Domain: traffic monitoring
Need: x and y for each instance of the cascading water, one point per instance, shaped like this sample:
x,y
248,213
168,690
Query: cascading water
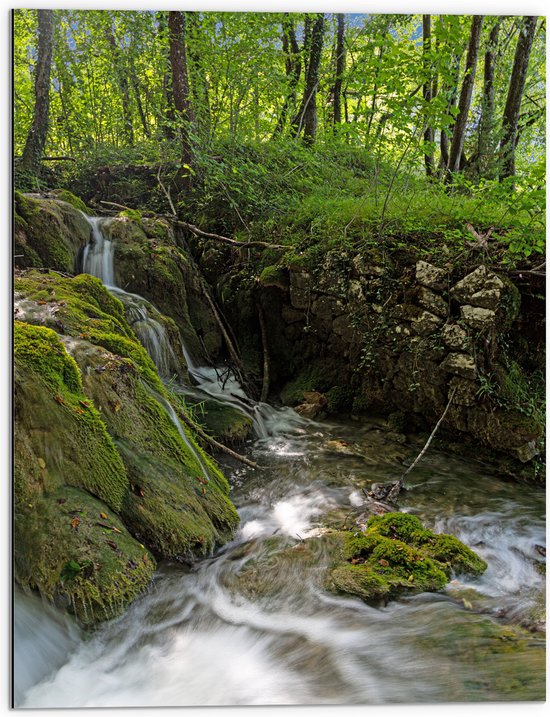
x,y
97,256
255,625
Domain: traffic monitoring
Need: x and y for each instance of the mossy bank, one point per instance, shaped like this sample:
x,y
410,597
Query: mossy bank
x,y
106,480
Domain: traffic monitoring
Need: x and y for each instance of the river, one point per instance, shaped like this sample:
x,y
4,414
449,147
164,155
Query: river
x,y
253,624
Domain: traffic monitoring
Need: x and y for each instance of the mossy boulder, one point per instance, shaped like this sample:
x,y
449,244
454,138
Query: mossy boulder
x,y
150,264
94,423
224,422
67,473
395,555
48,233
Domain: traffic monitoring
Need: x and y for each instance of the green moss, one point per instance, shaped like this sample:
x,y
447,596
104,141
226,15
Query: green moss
x,y
70,547
132,214
316,377
58,421
225,422
65,196
50,233
274,276
397,554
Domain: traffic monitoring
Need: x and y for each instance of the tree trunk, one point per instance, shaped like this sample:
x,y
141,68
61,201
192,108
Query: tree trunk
x,y
180,91
340,68
515,93
306,118
487,120
293,69
429,132
198,80
38,131
124,86
457,144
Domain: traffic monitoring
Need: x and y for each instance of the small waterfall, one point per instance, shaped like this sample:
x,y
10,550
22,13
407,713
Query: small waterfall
x,y
97,257
150,332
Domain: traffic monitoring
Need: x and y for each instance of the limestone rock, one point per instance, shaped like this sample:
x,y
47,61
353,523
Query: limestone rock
x,y
290,315
460,364
527,451
465,391
300,280
431,276
477,281
486,298
326,307
432,302
365,268
314,403
454,337
477,317
342,327
426,324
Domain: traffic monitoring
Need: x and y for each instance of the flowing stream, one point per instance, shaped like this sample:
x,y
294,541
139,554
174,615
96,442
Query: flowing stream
x,y
253,625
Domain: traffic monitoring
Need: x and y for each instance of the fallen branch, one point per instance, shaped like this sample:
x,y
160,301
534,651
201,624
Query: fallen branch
x,y
396,488
215,444
226,240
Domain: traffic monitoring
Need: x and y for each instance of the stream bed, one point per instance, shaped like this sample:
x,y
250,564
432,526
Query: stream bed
x,y
253,625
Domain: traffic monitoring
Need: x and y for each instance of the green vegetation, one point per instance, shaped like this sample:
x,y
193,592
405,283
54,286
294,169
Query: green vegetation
x,y
396,554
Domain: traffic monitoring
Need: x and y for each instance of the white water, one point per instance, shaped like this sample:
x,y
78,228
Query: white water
x,y
205,638
97,257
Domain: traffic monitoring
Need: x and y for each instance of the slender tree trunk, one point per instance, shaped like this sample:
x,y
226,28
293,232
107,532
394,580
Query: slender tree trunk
x,y
429,132
515,93
124,86
293,69
306,118
167,119
137,94
340,68
38,131
180,90
487,120
457,144
198,79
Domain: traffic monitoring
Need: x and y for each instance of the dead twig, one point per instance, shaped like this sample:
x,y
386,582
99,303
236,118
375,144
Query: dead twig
x,y
396,488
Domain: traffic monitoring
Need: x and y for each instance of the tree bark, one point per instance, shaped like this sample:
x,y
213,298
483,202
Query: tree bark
x,y
340,67
38,131
427,91
457,144
180,91
487,120
306,118
293,69
123,84
515,93
198,79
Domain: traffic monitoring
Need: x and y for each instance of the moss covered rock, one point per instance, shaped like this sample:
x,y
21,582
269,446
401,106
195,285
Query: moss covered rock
x,y
397,555
48,233
225,422
96,434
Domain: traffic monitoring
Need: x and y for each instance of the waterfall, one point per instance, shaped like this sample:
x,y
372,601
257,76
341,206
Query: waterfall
x,y
97,257
210,382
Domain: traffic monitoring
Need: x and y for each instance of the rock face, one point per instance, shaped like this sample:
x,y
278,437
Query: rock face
x,y
105,479
373,336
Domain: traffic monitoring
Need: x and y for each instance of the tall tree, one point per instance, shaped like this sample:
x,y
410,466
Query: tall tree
x,y
121,75
340,67
293,70
487,120
457,144
428,91
38,131
515,93
180,90
306,119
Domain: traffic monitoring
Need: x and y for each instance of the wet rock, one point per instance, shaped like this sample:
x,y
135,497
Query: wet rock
x,y
460,364
430,275
432,302
454,337
477,318
313,405
465,391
